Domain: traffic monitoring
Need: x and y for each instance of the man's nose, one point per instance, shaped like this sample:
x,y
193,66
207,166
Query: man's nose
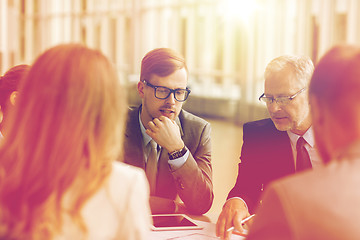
x,y
273,107
171,98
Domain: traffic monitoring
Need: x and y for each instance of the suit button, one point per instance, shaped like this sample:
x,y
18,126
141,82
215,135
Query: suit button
x,y
181,185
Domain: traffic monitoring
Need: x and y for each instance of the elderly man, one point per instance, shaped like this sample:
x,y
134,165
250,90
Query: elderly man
x,y
323,204
276,147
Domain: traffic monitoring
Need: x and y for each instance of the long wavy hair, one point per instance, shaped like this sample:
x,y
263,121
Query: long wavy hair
x,y
65,131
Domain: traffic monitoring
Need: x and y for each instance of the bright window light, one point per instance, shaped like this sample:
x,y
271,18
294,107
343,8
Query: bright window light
x,y
238,9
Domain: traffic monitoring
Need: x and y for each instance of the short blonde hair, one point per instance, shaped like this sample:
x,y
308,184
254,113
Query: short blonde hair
x,y
65,132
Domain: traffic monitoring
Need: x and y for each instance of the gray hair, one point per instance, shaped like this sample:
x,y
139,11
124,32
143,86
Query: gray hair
x,y
302,66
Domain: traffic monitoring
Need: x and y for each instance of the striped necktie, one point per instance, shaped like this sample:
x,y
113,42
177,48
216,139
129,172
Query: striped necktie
x,y
151,166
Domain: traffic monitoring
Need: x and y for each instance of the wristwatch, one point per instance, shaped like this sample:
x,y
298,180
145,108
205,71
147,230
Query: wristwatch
x,y
178,153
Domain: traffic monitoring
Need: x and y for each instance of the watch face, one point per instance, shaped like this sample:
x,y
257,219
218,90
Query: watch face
x,y
175,155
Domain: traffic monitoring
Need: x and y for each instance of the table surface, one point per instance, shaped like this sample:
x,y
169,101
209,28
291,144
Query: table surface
x,y
207,233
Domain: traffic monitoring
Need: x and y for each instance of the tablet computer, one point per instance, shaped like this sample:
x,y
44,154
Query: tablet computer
x,y
173,222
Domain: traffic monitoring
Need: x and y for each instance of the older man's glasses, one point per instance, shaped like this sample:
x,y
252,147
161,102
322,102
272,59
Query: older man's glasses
x,y
283,100
161,92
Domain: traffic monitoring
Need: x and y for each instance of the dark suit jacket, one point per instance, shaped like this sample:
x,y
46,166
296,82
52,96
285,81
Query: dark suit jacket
x,y
193,181
266,155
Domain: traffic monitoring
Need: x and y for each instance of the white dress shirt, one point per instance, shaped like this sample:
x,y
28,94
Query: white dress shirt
x,y
309,146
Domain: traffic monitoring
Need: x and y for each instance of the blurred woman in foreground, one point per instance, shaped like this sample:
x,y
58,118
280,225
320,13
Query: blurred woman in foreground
x,y
58,178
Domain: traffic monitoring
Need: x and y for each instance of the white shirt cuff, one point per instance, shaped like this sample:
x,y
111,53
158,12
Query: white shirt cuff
x,y
178,162
240,199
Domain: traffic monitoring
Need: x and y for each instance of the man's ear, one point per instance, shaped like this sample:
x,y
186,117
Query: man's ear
x,y
140,88
13,97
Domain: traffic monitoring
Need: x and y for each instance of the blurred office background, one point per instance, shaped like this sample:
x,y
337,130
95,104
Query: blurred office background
x,y
227,44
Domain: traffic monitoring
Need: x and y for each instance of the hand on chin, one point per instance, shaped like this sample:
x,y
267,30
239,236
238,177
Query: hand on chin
x,y
168,113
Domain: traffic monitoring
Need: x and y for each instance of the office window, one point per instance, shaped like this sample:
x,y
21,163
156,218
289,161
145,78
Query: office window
x,y
226,43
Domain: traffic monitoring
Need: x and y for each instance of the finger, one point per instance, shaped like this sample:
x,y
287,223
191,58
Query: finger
x,y
220,225
228,225
228,235
248,224
223,223
166,120
163,118
237,221
151,125
157,121
150,133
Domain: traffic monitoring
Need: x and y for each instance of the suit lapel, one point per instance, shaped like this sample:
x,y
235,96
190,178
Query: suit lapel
x,y
133,144
278,152
178,122
288,159
281,147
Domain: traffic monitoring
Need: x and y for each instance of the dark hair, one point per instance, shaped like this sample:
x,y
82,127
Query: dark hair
x,y
162,62
9,83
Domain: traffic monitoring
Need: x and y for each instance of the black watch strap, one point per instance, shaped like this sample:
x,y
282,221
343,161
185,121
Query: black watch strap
x,y
177,154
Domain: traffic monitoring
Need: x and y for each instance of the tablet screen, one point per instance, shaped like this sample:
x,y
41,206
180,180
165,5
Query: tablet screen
x,y
173,222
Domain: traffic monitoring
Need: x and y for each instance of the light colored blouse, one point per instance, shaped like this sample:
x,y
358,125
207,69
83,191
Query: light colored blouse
x,y
118,210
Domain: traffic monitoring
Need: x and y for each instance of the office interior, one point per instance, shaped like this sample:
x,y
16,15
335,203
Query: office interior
x,y
226,43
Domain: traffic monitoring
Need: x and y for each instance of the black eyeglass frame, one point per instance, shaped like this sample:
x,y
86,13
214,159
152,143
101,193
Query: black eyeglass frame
x,y
290,98
173,91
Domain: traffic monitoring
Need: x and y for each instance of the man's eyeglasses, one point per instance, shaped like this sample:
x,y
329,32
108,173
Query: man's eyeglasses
x,y
160,92
279,100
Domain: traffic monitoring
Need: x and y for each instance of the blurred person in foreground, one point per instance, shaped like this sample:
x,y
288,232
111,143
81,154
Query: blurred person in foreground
x,y
323,204
9,83
271,146
58,177
172,145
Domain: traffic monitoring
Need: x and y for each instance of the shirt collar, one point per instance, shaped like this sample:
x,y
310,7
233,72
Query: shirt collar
x,y
146,138
308,136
